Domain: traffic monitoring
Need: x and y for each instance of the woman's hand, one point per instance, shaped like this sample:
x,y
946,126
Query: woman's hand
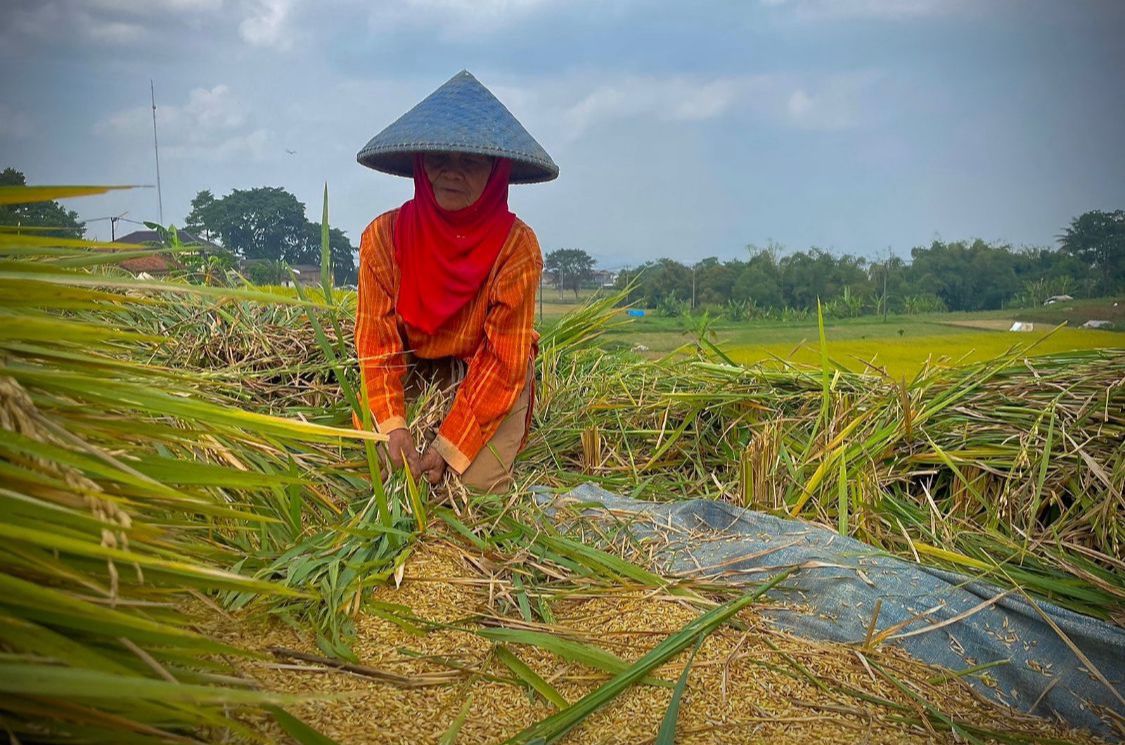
x,y
401,449
431,465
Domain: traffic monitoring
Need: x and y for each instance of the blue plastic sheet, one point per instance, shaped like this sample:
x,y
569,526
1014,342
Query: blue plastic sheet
x,y
942,618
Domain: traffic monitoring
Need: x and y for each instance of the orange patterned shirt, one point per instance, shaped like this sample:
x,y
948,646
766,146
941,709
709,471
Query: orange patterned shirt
x,y
493,334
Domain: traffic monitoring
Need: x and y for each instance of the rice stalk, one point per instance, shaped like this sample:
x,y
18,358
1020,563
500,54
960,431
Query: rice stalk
x,y
128,486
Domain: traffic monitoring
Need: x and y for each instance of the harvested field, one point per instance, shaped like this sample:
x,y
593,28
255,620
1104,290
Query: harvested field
x,y
746,683
170,446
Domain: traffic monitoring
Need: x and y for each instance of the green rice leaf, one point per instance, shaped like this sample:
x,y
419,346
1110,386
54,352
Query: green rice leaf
x,y
449,737
568,649
558,724
30,194
79,684
298,730
666,735
530,677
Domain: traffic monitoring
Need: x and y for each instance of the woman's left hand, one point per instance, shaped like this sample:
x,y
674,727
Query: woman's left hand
x,y
432,465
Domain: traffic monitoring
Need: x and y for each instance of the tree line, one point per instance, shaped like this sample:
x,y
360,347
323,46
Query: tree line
x,y
44,218
266,226
944,276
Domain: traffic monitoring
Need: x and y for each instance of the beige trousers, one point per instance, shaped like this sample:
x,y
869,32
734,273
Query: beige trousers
x,y
491,470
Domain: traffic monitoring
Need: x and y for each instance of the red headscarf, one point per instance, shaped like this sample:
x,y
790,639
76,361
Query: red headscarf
x,y
444,255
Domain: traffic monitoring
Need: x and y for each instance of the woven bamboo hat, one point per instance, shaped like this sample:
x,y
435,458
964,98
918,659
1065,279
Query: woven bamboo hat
x,y
460,116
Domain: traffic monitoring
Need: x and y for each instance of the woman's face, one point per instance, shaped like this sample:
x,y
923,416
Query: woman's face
x,y
458,178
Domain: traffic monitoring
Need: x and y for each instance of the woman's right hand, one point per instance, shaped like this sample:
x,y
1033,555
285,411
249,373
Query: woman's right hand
x,y
401,449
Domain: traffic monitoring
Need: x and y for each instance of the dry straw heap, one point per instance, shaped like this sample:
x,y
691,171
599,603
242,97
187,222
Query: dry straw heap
x,y
195,541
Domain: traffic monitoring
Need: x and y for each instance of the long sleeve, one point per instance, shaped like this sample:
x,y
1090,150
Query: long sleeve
x,y
378,344
497,371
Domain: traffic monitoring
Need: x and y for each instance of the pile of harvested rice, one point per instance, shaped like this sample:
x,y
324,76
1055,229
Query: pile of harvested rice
x,y
750,683
264,357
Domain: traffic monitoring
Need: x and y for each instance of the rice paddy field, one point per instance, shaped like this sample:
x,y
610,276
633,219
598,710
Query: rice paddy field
x,y
901,346
198,546
906,357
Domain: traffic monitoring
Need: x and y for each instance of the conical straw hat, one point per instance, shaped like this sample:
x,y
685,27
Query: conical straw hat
x,y
460,116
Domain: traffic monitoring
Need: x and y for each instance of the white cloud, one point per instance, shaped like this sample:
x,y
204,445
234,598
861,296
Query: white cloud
x,y
113,32
255,145
799,103
490,8
101,22
832,103
706,101
216,109
455,18
211,125
872,9
265,24
154,7
668,99
571,107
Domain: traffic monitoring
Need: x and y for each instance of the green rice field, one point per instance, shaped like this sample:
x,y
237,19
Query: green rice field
x,y
900,346
906,356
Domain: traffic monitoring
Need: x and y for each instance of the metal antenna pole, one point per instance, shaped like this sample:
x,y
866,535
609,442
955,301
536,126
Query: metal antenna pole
x,y
156,148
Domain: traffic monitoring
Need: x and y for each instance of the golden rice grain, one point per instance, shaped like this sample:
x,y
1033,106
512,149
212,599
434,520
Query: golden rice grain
x,y
742,686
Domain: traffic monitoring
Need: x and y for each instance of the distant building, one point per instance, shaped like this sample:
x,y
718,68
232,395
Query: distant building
x,y
158,263
308,275
604,278
266,271
597,278
163,263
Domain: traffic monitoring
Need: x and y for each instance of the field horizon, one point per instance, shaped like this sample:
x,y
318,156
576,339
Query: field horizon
x,y
899,345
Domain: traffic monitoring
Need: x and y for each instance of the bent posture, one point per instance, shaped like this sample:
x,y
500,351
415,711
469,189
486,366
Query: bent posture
x,y
447,285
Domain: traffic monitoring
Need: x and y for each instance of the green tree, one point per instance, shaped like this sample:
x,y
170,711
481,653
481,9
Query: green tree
x,y
38,214
714,280
266,272
344,271
262,223
1055,272
570,266
1098,239
269,223
661,280
758,282
205,212
958,276
817,274
966,276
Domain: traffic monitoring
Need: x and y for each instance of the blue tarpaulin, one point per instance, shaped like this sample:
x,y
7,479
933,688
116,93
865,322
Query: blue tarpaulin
x,y
939,617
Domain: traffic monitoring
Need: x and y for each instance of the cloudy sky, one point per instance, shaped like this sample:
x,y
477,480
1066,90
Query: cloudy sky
x,y
683,129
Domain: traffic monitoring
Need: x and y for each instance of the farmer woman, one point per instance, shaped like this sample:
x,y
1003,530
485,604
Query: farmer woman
x,y
447,285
